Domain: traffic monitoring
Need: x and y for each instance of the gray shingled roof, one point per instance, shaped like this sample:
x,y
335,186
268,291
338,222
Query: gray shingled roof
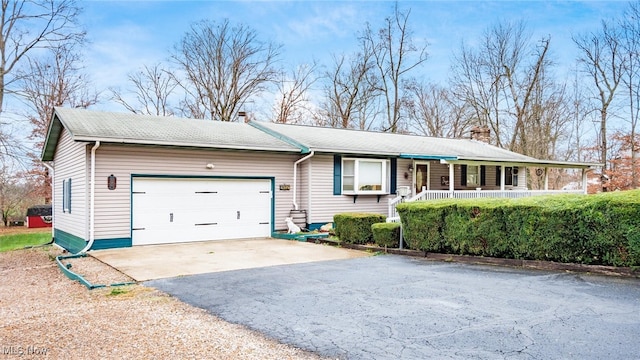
x,y
129,128
345,141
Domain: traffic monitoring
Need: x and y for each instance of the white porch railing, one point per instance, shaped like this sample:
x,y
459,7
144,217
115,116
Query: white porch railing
x,y
477,194
469,194
393,213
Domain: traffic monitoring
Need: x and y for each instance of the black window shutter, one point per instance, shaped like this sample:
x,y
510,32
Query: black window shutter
x,y
483,175
498,175
463,175
337,174
394,176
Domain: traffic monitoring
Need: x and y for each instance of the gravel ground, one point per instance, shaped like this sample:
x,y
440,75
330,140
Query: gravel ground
x,y
43,314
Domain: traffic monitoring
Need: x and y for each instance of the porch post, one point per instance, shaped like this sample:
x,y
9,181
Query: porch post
x,y
584,181
546,178
452,179
502,177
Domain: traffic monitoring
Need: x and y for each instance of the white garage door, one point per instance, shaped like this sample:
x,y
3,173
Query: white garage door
x,y
169,210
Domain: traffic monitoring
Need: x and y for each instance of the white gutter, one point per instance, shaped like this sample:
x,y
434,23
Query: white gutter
x,y
92,209
53,196
295,178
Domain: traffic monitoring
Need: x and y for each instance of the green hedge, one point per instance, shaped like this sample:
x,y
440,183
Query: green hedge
x,y
386,234
355,228
593,229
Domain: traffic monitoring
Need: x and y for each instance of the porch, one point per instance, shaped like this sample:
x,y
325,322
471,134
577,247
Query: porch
x,y
465,194
447,178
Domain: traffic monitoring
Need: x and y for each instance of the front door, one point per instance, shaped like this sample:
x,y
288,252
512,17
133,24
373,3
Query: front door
x,y
421,177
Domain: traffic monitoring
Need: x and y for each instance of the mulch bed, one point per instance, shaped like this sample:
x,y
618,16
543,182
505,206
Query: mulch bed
x,y
481,260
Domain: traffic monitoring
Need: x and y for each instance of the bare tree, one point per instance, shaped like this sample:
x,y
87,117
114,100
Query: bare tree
x,y
395,55
14,194
505,81
351,90
478,86
56,79
631,79
224,65
293,91
433,112
25,26
602,61
581,119
153,87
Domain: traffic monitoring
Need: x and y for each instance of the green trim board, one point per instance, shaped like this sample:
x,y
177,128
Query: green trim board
x,y
277,135
298,236
427,157
53,133
101,244
71,243
272,179
74,276
317,226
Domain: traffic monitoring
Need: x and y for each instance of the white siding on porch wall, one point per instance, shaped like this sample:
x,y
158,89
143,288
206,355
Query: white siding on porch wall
x,y
71,163
113,207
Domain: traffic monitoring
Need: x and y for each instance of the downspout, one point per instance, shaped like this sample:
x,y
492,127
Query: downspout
x,y
295,178
92,208
53,201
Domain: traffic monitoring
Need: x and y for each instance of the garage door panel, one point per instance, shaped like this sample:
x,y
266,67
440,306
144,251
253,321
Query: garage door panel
x,y
180,210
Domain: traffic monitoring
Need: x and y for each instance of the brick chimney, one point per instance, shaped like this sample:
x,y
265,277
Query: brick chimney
x,y
242,117
481,133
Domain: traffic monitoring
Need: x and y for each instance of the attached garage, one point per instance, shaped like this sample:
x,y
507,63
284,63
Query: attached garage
x,y
173,210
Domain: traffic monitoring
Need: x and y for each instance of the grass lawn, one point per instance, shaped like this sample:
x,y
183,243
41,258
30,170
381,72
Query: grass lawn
x,y
20,240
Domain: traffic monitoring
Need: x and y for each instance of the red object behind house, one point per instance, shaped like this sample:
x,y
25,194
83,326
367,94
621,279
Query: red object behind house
x,y
39,216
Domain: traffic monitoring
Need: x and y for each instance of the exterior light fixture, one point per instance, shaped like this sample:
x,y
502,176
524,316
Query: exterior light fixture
x,y
210,166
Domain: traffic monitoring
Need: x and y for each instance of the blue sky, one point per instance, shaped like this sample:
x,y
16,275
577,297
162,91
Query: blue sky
x,y
125,35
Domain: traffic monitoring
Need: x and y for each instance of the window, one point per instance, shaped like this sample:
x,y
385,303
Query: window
x,y
473,175
510,176
66,195
365,176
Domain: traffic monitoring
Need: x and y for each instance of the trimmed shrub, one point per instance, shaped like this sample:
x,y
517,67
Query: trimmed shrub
x,y
422,224
593,229
355,228
386,234
475,230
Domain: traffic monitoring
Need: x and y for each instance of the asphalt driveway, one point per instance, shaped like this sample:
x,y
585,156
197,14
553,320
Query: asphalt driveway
x,y
393,307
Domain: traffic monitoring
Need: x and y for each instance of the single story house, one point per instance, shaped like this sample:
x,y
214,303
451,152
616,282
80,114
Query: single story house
x,y
121,179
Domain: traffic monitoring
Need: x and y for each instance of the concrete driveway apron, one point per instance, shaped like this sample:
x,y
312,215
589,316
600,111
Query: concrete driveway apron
x,y
392,307
169,260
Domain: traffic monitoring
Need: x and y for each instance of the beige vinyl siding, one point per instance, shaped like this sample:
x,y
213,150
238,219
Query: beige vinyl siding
x,y
303,186
438,170
71,163
113,207
403,168
324,204
522,178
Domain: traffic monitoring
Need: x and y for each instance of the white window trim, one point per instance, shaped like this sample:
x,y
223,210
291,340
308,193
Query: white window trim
x,y
66,195
470,180
386,169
